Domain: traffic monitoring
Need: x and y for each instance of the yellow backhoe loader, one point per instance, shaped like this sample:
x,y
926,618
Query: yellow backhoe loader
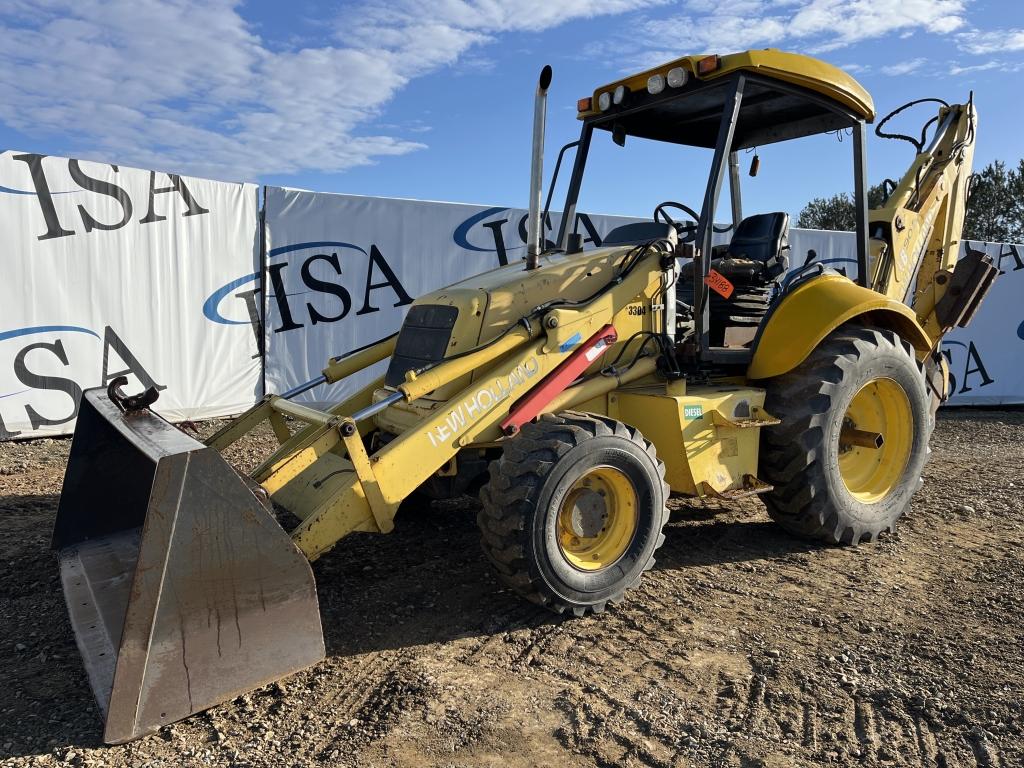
x,y
574,390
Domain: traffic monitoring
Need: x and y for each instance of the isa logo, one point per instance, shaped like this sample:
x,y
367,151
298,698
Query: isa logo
x,y
44,368
502,231
309,284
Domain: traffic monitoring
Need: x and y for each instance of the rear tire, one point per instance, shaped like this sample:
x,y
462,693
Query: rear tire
x,y
573,511
826,488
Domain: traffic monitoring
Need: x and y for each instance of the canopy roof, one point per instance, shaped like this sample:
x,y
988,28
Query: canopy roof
x,y
785,95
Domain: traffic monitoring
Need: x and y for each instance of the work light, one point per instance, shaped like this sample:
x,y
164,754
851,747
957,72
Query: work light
x,y
677,77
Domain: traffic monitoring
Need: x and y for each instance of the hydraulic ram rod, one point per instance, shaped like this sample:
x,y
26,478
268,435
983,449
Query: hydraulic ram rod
x,y
342,367
305,387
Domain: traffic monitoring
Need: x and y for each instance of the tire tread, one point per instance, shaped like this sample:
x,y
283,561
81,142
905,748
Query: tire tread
x,y
789,452
516,479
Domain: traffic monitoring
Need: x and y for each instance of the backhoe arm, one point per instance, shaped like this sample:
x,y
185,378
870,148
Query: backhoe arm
x,y
915,235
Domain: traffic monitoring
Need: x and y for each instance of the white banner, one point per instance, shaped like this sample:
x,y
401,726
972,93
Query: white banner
x,y
986,359
123,271
114,271
343,269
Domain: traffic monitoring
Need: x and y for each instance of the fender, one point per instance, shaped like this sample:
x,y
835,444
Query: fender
x,y
810,312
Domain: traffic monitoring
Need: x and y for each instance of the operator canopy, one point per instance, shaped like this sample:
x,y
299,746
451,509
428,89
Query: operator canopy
x,y
785,96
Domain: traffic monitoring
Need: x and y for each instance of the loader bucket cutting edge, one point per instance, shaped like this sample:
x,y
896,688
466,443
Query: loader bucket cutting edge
x,y
182,589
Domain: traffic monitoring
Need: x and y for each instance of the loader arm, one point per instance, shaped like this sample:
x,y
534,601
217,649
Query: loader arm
x,y
183,589
327,476
916,234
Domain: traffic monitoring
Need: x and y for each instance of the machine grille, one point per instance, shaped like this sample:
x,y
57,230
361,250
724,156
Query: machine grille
x,y
423,339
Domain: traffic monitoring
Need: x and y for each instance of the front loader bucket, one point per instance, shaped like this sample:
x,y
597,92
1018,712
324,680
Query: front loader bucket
x,y
182,589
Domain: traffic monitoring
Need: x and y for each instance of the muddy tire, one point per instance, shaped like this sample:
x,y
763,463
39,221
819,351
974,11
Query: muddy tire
x,y
573,511
858,383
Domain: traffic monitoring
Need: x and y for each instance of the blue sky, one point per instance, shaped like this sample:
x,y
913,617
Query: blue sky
x,y
433,99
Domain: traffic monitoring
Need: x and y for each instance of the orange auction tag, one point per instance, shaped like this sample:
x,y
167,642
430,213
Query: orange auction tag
x,y
719,283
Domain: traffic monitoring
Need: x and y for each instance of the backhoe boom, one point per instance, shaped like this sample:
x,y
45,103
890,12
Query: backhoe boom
x,y
916,234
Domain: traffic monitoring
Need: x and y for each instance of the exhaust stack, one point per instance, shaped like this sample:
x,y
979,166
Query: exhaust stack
x,y
533,231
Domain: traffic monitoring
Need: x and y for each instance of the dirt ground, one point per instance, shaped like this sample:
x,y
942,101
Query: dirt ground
x,y
744,647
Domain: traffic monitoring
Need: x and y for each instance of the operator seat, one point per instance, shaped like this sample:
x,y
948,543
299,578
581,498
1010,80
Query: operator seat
x,y
754,261
757,253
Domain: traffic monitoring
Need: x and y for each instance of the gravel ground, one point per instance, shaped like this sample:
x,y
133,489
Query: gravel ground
x,y
744,647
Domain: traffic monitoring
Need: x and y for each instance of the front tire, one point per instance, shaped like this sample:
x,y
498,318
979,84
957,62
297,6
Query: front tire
x,y
573,511
831,482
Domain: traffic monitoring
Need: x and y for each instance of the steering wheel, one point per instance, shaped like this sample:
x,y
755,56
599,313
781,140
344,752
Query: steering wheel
x,y
686,232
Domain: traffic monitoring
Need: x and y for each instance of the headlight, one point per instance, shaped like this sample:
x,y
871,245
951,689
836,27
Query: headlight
x,y
604,101
678,76
620,94
655,84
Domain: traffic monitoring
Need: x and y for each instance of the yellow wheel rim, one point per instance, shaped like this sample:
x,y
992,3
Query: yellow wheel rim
x,y
879,415
597,519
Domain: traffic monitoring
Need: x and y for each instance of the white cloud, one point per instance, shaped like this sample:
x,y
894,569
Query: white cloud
x,y
839,23
191,85
812,25
727,28
904,67
188,85
998,66
994,41
956,69
827,25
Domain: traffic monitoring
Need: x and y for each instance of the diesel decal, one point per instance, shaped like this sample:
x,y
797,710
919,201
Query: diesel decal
x,y
467,412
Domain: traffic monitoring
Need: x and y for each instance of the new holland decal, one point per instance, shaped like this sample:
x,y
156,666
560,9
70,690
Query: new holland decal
x,y
483,400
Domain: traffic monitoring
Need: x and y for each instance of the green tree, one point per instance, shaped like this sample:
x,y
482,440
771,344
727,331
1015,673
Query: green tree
x,y
836,212
995,208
